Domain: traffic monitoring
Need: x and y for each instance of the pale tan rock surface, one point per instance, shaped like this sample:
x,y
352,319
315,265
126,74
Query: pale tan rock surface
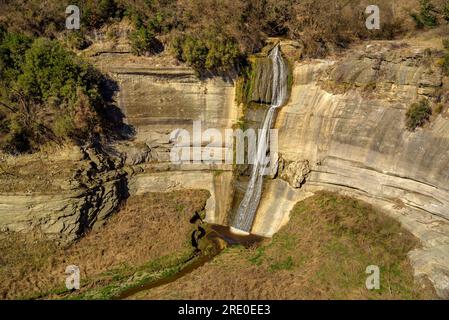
x,y
346,118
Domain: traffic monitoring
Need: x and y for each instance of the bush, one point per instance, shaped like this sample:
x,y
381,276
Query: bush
x,y
34,17
418,114
446,44
76,40
143,42
426,16
445,64
445,60
439,108
2,32
12,55
98,12
208,51
239,26
446,11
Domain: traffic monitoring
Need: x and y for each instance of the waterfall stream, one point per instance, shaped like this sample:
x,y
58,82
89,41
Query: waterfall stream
x,y
248,207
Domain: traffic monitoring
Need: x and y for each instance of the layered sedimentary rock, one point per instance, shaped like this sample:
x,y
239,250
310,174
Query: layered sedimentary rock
x,y
158,101
346,119
61,196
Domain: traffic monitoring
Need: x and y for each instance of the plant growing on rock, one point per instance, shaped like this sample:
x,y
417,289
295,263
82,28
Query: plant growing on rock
x,y
418,114
444,62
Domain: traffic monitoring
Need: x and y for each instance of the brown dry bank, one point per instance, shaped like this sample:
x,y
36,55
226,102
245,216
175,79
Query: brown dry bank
x,y
322,253
151,232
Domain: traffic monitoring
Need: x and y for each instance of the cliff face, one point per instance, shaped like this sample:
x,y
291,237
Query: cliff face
x,y
67,193
357,138
346,120
63,195
156,101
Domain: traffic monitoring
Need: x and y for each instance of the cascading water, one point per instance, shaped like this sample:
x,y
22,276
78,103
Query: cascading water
x,y
248,207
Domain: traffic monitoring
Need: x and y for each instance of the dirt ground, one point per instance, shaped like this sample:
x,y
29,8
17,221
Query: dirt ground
x,y
322,253
148,228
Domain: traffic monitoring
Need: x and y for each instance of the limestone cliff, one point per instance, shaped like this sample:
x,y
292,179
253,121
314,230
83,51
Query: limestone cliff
x,y
158,100
346,120
62,194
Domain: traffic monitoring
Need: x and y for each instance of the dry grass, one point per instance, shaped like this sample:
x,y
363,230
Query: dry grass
x,y
148,228
27,174
321,254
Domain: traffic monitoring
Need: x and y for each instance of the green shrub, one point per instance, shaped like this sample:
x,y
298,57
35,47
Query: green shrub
x,y
446,44
426,16
446,11
98,12
63,126
2,32
439,108
445,64
144,42
418,114
76,40
208,51
12,55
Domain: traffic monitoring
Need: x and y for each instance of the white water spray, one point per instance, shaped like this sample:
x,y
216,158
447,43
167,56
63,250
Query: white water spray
x,y
247,210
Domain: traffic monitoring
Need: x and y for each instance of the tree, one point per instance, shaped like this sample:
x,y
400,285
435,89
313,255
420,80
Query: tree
x,y
46,93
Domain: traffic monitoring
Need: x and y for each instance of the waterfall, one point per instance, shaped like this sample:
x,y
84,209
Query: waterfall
x,y
247,210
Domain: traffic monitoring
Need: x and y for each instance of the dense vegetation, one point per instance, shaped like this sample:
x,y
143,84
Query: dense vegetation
x,y
46,93
209,34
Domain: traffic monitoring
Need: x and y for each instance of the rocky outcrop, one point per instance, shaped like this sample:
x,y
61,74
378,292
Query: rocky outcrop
x,y
294,172
218,183
78,199
343,130
156,101
357,139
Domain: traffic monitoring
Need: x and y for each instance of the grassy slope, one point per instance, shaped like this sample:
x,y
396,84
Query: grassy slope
x,y
148,239
321,254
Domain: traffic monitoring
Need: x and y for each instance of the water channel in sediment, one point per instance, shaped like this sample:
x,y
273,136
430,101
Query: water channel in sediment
x,y
218,237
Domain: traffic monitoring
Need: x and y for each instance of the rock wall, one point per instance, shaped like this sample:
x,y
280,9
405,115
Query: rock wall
x,y
70,202
342,130
357,139
157,101
346,119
